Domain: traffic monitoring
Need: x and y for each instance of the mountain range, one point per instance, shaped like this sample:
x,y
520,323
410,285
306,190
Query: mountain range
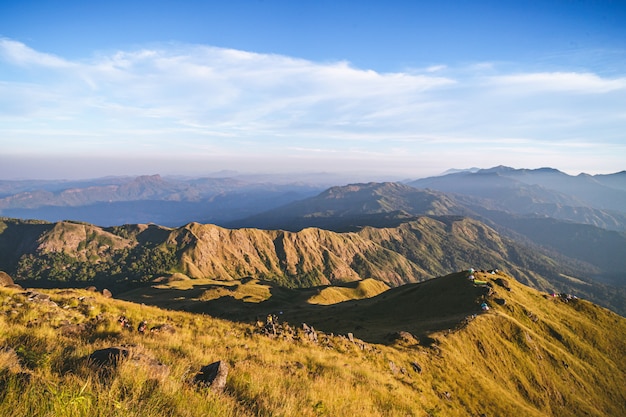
x,y
151,198
554,231
478,292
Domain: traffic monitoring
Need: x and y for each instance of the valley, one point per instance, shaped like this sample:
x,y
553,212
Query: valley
x,y
375,307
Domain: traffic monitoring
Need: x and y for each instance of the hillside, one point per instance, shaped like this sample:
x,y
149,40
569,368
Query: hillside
x,y
555,234
422,349
53,254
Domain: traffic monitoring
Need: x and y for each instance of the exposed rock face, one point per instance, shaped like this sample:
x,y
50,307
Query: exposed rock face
x,y
213,375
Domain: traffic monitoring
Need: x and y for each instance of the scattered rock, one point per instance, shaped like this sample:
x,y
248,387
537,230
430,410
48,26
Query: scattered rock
x,y
37,297
213,375
310,332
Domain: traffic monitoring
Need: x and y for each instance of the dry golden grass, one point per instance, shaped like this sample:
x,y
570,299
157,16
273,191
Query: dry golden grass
x,y
531,356
353,291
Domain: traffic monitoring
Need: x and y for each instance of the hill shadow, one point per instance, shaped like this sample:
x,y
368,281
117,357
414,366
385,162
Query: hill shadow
x,y
420,309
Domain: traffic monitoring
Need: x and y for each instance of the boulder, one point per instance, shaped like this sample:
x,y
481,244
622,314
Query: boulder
x,y
5,279
106,293
503,283
403,337
72,329
110,356
213,376
163,328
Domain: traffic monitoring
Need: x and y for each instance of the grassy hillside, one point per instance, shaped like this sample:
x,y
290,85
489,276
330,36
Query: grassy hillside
x,y
123,257
530,355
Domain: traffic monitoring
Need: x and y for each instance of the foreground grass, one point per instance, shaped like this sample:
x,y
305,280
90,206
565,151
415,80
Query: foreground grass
x,y
532,356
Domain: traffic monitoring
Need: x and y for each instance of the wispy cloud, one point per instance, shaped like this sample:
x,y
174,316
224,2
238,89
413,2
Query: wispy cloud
x,y
544,82
177,99
20,54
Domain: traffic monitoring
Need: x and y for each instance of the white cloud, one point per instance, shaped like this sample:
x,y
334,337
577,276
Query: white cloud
x,y
20,54
561,82
201,100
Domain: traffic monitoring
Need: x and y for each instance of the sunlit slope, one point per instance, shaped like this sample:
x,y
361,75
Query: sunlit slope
x,y
410,252
546,353
123,257
530,354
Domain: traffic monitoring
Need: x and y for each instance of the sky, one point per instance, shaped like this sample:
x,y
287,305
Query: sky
x,y
394,88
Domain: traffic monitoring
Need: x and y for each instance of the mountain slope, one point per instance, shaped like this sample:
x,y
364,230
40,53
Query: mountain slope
x,y
347,208
543,192
44,254
530,354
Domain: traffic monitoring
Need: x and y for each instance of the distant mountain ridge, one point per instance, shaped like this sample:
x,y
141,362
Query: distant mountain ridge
x,y
544,191
149,198
355,205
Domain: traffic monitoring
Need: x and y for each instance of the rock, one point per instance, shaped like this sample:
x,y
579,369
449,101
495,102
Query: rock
x,y
110,356
5,279
213,375
154,368
16,286
163,328
500,301
72,329
91,288
503,283
106,293
10,360
403,336
416,367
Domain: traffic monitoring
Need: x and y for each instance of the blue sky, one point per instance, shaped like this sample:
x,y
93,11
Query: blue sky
x,y
399,88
